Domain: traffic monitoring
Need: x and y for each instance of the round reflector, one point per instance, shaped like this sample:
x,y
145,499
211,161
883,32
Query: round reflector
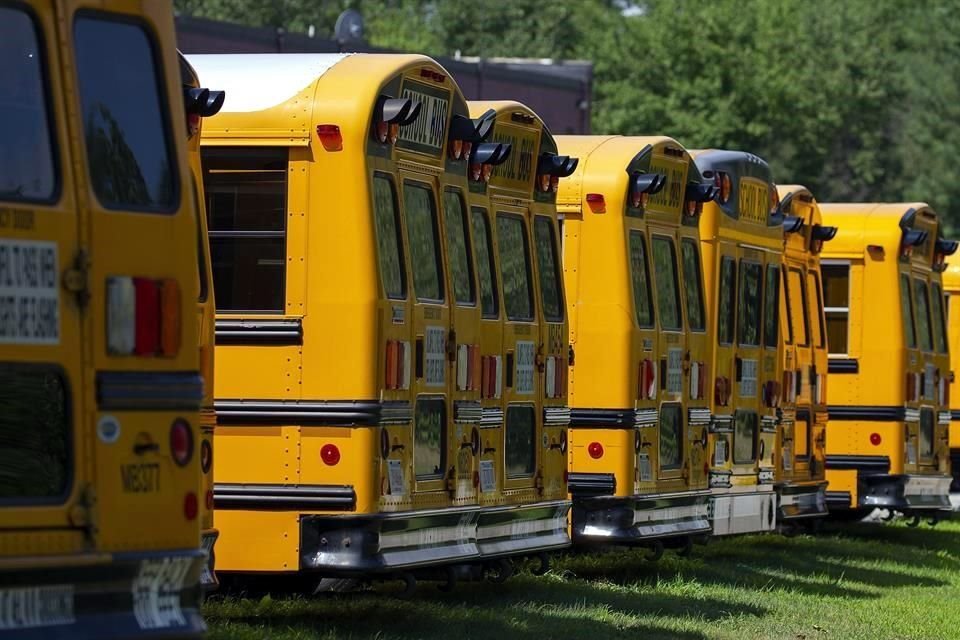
x,y
595,450
330,454
875,439
206,456
181,442
190,506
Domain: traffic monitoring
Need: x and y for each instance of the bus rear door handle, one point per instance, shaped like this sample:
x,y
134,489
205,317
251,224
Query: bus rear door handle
x,y
418,358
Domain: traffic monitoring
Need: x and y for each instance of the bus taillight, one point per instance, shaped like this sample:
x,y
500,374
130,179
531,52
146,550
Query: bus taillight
x,y
648,380
820,234
774,199
696,194
721,391
396,371
643,185
724,185
181,442
143,316
484,157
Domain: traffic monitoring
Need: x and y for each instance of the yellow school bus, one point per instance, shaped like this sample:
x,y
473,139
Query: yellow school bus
x,y
802,436
99,383
202,103
951,289
889,364
348,388
638,390
741,237
524,326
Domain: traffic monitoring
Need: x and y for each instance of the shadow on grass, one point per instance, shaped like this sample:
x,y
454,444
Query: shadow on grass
x,y
526,609
819,566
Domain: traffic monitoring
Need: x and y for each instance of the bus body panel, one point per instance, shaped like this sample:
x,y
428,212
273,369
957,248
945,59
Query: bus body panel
x,y
638,415
744,239
115,245
890,428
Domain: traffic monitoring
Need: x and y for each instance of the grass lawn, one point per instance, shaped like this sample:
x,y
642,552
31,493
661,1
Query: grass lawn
x,y
867,581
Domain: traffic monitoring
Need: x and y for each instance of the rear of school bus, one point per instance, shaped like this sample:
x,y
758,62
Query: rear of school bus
x,y
800,472
200,103
348,351
742,242
951,291
887,439
99,529
638,413
517,203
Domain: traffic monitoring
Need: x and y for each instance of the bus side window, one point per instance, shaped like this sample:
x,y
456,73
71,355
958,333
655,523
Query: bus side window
x,y
836,294
906,308
922,304
423,240
771,305
548,268
665,274
692,284
641,280
458,248
28,168
815,307
483,245
939,324
798,291
726,318
126,127
515,266
786,307
246,191
748,305
386,219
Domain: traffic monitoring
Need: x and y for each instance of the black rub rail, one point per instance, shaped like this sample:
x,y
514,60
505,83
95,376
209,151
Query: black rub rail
x,y
276,497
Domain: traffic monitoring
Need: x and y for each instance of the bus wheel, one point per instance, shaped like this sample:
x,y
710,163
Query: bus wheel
x,y
451,580
656,551
544,565
502,570
914,521
686,547
933,522
409,586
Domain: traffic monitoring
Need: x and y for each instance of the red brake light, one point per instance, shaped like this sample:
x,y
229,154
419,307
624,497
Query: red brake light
x,y
475,171
554,183
190,506
456,149
487,171
181,442
595,449
330,454
543,182
875,439
147,314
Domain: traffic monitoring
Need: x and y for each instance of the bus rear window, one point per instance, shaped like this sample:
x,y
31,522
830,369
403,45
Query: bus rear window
x,y
939,326
246,192
28,171
671,437
798,307
483,245
514,267
692,284
423,240
386,220
815,307
458,247
641,281
122,107
922,298
548,267
429,441
745,437
771,305
665,274
728,292
35,438
906,309
521,452
748,306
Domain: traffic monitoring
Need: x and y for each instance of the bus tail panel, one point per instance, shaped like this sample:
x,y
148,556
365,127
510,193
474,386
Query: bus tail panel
x,y
102,596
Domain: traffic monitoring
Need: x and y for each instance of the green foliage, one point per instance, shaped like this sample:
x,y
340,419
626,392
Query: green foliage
x,y
857,100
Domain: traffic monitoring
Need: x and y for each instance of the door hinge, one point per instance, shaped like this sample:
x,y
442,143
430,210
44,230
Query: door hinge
x,y
76,278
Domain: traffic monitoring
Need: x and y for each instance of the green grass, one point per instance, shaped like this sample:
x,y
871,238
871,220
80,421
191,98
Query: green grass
x,y
865,582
